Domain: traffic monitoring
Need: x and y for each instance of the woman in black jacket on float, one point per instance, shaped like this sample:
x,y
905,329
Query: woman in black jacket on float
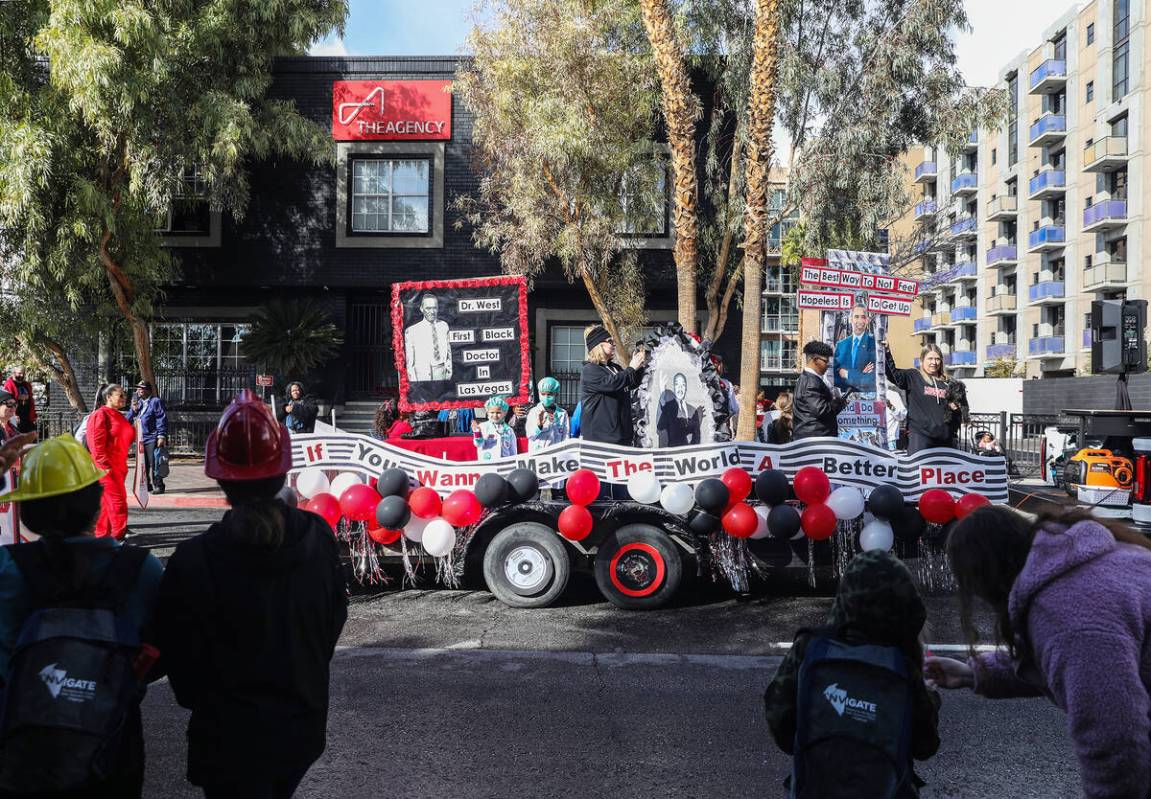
x,y
930,422
605,390
248,619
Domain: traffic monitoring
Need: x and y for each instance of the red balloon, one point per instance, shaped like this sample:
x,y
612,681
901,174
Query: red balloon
x,y
425,503
384,536
818,521
461,508
583,487
741,521
575,522
937,506
968,503
358,502
811,485
738,483
328,507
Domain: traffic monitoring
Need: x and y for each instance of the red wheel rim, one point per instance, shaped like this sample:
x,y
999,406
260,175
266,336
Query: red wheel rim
x,y
636,562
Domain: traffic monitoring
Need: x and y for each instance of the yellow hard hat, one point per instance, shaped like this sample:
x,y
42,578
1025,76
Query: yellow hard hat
x,y
57,466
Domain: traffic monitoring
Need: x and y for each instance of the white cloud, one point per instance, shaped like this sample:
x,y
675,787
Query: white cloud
x,y
1001,31
330,46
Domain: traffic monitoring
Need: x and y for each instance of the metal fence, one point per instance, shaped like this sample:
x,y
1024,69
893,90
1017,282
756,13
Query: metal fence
x,y
1019,434
187,432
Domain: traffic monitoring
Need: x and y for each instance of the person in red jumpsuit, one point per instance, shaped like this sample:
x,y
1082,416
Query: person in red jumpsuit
x,y
109,438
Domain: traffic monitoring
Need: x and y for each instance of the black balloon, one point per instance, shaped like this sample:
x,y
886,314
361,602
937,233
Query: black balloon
x,y
712,495
771,487
886,502
287,495
908,525
523,485
783,521
393,483
491,490
393,513
704,523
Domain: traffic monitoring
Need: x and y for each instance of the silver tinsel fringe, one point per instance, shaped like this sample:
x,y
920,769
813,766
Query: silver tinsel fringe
x,y
932,569
843,543
810,562
731,561
365,555
450,569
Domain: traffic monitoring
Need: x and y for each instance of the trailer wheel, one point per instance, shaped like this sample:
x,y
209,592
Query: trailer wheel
x,y
638,567
526,566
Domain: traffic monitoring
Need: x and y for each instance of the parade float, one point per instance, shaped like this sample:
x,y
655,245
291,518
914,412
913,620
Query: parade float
x,y
685,500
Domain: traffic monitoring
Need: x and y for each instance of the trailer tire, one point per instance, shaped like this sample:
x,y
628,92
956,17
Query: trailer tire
x,y
526,565
638,567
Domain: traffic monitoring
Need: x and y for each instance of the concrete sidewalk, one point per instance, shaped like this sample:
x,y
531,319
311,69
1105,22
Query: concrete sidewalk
x,y
187,487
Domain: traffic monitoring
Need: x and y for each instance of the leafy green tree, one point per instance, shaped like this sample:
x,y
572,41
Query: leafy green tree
x,y
564,96
292,337
108,108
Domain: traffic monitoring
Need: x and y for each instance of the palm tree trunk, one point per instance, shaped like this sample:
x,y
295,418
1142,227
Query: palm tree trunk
x,y
761,115
680,111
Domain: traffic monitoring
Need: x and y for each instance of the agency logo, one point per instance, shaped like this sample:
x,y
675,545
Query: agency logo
x,y
850,706
60,684
347,112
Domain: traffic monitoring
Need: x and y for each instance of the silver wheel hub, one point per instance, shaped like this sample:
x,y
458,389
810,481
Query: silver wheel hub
x,y
526,568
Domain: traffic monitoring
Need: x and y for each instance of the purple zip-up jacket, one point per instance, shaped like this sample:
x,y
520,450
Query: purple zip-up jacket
x,y
1084,602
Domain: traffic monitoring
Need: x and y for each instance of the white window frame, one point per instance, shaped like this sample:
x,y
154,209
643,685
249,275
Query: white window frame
x,y
347,152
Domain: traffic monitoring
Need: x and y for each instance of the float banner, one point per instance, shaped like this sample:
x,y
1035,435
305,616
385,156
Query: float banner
x,y
824,300
459,342
844,462
893,306
861,281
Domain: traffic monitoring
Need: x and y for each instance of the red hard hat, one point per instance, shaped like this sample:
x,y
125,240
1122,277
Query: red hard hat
x,y
248,443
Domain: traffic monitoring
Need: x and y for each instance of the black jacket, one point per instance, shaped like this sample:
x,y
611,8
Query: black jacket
x,y
247,634
605,392
304,413
927,412
815,408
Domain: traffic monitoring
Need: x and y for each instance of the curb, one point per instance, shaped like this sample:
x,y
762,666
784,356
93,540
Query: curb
x,y
165,501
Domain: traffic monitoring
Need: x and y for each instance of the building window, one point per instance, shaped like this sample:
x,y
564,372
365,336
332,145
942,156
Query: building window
x,y
1090,33
780,280
1120,64
1060,46
1013,119
994,156
390,195
645,206
1090,91
780,315
778,354
197,363
567,349
1119,127
189,213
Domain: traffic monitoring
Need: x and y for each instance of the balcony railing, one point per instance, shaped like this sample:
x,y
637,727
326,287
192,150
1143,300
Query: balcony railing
x,y
1004,207
1048,75
780,323
925,209
1048,290
922,325
1046,345
965,270
1105,274
997,351
962,358
1105,214
964,313
941,319
1001,302
928,170
1105,155
1048,127
1087,339
1003,254
1049,181
1047,237
964,226
965,182
971,143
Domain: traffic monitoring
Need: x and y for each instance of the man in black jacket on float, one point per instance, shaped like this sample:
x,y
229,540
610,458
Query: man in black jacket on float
x,y
815,407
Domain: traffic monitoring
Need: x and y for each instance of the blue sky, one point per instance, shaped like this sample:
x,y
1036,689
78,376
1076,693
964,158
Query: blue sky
x,y
439,27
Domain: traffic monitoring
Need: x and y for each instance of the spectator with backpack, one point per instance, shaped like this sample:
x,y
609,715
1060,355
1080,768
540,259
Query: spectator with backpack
x,y
74,613
849,701
249,616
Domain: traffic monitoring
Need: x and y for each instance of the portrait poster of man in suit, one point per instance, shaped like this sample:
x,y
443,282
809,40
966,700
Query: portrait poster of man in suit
x,y
678,423
427,348
854,363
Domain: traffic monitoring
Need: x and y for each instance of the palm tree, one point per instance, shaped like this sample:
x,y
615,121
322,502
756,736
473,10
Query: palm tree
x,y
292,337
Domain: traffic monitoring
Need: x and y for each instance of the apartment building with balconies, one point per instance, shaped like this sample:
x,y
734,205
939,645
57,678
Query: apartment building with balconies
x,y
1033,220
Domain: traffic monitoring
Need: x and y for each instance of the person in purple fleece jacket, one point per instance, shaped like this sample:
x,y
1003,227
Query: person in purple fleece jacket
x,y
1072,599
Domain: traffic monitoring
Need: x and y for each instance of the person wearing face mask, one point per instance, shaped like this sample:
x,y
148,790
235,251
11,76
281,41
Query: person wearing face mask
x,y
928,416
494,439
547,422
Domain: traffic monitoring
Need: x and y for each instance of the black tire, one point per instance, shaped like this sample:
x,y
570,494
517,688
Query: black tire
x,y
527,566
638,567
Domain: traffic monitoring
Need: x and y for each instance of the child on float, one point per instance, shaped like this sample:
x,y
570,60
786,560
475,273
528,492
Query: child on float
x,y
849,701
494,438
547,422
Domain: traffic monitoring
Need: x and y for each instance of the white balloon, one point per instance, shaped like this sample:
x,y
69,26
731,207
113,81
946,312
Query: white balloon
x,y
877,535
439,538
414,529
677,498
761,531
312,481
644,487
846,502
343,481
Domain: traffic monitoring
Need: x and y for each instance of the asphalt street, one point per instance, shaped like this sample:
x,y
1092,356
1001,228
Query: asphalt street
x,y
450,694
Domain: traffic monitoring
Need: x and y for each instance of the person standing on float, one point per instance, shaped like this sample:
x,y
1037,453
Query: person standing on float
x,y
605,390
109,438
547,423
494,438
929,414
